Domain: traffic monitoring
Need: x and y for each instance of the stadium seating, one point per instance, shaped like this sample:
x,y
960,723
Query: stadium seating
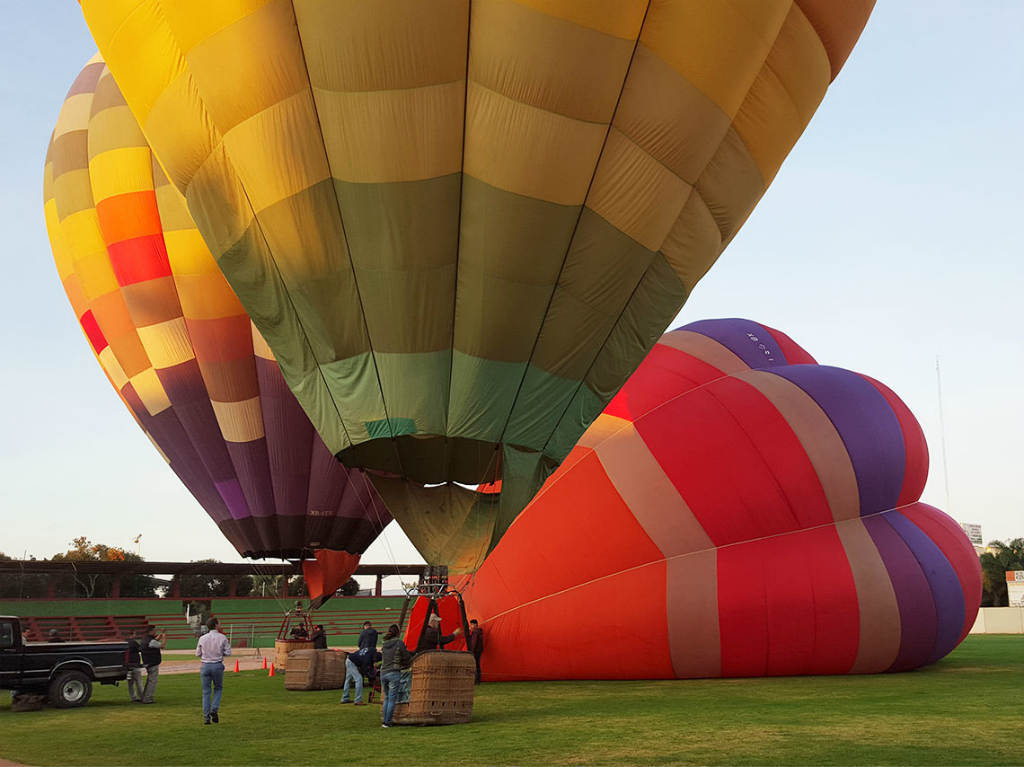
x,y
87,628
251,628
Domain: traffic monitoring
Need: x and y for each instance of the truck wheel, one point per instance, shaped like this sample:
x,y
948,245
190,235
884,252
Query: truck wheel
x,y
70,689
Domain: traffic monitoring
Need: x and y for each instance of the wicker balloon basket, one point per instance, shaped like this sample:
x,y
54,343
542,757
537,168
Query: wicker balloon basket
x,y
441,691
284,647
315,670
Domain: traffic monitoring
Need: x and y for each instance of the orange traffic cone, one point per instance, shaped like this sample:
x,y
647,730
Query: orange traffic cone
x,y
236,665
264,662
271,670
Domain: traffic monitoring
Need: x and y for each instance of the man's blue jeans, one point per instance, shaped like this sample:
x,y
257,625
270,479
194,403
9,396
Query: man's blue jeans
x,y
212,676
352,674
390,682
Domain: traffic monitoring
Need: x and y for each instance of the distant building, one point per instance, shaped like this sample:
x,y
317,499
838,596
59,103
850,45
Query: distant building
x,y
973,533
1015,587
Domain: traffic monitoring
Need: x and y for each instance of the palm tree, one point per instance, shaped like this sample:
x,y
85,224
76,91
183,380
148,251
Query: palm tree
x,y
995,564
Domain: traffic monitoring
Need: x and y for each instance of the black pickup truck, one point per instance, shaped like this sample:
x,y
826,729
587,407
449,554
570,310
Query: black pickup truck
x,y
65,671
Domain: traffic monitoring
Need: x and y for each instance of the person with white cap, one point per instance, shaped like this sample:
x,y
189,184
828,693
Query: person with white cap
x,y
431,638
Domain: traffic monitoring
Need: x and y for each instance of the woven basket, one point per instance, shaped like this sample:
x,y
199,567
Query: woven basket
x,y
442,689
301,671
330,672
284,647
315,670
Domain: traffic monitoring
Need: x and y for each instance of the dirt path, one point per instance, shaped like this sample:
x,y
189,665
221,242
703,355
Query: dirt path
x,y
185,662
191,666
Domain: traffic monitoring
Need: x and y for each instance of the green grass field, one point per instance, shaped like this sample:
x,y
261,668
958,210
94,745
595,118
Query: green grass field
x,y
963,710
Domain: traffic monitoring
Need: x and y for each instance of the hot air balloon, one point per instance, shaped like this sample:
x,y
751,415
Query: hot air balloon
x,y
460,225
735,511
181,351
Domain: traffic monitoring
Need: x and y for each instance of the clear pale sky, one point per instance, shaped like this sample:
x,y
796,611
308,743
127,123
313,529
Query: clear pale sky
x,y
891,236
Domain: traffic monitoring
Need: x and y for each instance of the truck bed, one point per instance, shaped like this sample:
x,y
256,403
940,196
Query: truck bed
x,y
40,659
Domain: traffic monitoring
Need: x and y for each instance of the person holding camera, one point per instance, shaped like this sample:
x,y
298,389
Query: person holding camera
x,y
152,644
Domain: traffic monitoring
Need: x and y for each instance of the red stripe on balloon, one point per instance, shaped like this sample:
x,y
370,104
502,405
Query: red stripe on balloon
x,y
140,259
789,599
741,468
795,354
668,373
787,605
93,332
742,609
836,608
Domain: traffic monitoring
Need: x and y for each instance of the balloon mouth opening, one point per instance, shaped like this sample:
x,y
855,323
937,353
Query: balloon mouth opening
x,y
429,460
456,484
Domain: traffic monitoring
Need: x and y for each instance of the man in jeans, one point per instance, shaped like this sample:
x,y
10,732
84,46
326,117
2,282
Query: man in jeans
x,y
212,648
395,657
353,675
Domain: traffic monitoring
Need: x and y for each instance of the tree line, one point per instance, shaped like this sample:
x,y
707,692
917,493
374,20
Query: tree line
x,y
1002,557
79,585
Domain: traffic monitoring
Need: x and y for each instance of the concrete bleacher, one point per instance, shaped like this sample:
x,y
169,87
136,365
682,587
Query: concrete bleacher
x,y
249,622
83,628
259,628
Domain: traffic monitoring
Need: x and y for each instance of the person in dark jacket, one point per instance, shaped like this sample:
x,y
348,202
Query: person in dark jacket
x,y
152,643
475,644
319,637
395,656
54,636
431,638
368,637
360,665
133,660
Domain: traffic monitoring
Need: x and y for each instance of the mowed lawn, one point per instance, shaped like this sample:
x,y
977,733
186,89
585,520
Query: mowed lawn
x,y
963,710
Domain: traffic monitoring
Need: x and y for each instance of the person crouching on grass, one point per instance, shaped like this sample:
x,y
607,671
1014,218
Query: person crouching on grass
x,y
212,648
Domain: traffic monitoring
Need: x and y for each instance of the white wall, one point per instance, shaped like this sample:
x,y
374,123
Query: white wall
x,y
999,620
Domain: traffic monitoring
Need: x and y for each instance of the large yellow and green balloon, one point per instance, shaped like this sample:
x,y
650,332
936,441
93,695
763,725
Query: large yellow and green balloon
x,y
461,224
